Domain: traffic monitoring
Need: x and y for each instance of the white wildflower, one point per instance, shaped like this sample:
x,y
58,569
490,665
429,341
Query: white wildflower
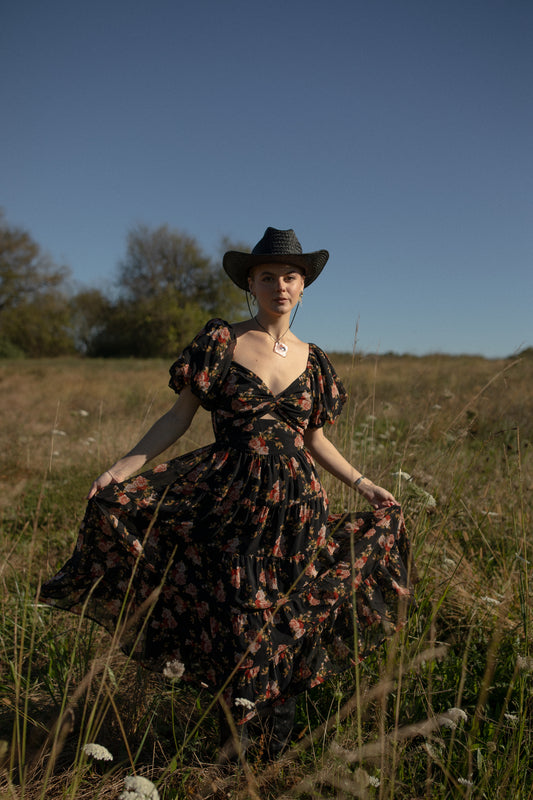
x,y
404,476
97,751
247,704
174,670
138,788
464,782
451,717
524,663
449,562
457,714
81,412
373,781
57,432
512,718
490,601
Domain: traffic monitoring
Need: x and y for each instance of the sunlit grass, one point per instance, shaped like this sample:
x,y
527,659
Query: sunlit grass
x,y
460,428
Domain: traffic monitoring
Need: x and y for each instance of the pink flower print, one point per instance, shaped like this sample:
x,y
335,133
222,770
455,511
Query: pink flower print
x,y
293,467
161,468
167,619
219,592
342,573
236,577
272,690
191,589
202,380
332,547
202,609
298,441
258,445
274,493
272,581
311,571
297,627
205,642
192,553
251,672
321,538
277,551
239,623
262,517
334,390
140,482
315,484
220,335
123,499
304,401
255,642
180,573
312,599
305,514
317,680
261,601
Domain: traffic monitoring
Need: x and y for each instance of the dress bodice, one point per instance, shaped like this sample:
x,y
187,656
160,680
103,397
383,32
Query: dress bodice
x,y
239,399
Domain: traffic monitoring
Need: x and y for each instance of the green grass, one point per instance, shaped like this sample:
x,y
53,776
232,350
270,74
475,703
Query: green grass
x,y
460,427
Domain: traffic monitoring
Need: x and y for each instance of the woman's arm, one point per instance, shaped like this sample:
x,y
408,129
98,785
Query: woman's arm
x,y
167,430
327,455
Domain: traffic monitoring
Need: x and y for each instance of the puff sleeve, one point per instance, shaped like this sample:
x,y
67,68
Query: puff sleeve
x,y
329,395
204,363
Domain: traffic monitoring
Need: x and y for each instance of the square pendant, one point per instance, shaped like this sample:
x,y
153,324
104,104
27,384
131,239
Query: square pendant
x,y
281,349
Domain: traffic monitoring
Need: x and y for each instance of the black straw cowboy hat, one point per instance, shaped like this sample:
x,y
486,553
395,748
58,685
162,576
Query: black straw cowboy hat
x,y
276,247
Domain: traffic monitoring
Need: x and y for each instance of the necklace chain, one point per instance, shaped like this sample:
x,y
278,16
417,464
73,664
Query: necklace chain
x,y
280,348
274,339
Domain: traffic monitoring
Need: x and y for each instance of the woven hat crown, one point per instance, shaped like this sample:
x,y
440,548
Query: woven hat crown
x,y
281,243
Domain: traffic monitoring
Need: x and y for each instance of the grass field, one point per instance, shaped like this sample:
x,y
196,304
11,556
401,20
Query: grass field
x,y
443,711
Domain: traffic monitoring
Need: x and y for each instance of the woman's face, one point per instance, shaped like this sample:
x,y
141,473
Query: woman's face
x,y
277,287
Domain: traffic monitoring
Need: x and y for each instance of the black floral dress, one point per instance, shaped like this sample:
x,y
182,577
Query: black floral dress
x,y
225,562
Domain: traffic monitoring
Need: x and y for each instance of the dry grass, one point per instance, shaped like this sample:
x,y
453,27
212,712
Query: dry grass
x,y
460,427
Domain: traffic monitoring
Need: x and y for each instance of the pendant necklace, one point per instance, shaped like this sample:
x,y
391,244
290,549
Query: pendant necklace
x,y
280,348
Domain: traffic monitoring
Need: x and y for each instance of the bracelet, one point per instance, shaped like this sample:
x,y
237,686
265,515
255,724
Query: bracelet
x,y
358,481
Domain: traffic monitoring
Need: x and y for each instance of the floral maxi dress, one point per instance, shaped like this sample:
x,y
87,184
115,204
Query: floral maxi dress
x,y
225,560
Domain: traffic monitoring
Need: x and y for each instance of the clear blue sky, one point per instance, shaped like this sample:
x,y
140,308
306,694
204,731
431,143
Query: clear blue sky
x,y
397,134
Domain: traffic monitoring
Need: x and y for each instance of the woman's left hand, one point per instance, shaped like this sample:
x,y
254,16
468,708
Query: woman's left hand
x,y
376,495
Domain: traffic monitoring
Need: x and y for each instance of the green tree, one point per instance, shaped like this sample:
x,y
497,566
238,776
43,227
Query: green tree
x,y
167,288
34,309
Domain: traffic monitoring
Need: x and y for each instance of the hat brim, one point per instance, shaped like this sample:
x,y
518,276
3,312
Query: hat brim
x,y
237,265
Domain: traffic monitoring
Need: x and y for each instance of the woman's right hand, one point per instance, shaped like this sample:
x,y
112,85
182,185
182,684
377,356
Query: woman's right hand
x,y
103,480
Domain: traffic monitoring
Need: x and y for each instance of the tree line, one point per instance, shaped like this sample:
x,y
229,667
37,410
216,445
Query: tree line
x,y
164,289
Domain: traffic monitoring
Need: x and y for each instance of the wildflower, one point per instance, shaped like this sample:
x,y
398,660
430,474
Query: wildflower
x,y
524,663
451,717
512,718
402,475
490,601
464,782
97,751
373,781
247,704
174,670
138,788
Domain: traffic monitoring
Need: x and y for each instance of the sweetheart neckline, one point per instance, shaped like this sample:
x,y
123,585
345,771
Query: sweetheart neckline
x,y
260,380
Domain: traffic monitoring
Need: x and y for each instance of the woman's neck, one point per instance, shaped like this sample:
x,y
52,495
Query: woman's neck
x,y
276,326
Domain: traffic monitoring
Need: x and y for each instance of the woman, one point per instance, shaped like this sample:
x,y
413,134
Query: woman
x,y
223,564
